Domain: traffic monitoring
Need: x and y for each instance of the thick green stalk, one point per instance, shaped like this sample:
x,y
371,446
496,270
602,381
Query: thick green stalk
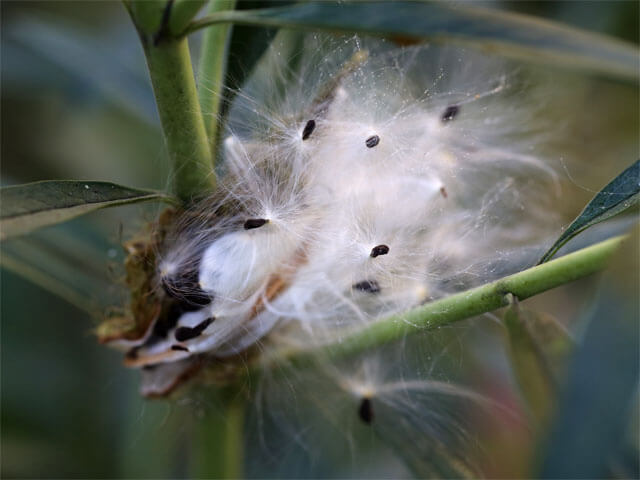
x,y
476,301
218,450
174,87
212,69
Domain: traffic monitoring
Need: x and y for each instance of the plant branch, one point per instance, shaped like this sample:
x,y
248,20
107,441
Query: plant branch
x,y
463,305
175,91
174,87
219,449
211,71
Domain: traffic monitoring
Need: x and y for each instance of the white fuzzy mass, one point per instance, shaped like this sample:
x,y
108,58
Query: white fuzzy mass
x,y
359,179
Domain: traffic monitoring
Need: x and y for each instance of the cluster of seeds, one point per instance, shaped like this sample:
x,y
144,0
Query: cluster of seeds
x,y
359,184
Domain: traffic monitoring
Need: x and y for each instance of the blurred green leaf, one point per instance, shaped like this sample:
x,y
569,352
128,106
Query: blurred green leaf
x,y
33,205
508,34
51,260
596,406
531,364
620,194
214,51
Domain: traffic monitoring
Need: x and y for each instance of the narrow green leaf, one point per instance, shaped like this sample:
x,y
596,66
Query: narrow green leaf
x,y
530,359
620,194
597,403
51,259
508,34
211,72
33,205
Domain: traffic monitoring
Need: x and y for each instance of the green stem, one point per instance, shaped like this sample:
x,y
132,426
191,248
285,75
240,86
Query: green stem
x,y
212,69
476,301
233,445
174,87
218,451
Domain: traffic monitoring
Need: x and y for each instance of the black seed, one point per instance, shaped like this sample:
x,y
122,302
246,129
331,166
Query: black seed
x,y
365,412
369,286
179,348
372,141
379,250
450,113
183,334
255,223
165,324
443,191
308,129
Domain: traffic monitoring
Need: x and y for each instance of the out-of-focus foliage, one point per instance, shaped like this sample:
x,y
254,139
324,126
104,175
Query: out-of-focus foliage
x,y
520,37
594,426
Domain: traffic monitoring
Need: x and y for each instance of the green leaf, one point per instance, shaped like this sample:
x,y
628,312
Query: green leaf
x,y
596,406
620,194
508,34
535,341
69,260
34,205
214,51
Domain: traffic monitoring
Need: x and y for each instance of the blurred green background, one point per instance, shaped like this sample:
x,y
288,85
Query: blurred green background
x,y
76,103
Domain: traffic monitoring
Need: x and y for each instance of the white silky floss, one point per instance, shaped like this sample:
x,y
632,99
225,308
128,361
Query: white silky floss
x,y
359,179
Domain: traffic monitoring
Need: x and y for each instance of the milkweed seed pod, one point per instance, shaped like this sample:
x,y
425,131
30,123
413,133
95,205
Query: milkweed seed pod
x,y
358,179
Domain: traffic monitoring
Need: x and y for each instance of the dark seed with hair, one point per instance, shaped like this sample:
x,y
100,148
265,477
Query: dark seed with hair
x,y
369,286
179,348
443,191
308,129
450,113
372,141
365,412
379,250
183,334
254,223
